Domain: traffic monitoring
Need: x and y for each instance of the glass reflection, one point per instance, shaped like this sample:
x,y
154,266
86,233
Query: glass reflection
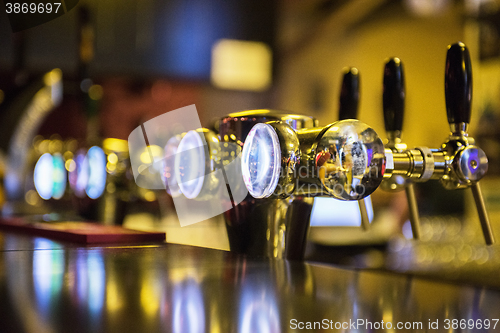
x,y
48,274
91,280
258,310
189,311
347,213
114,299
151,291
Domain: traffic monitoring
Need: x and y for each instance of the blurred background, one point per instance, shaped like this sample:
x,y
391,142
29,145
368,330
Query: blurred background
x,y
121,63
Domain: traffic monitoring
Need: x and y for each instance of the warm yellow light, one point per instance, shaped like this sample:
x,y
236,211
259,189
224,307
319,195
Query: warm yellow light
x,y
118,145
32,198
150,297
215,318
55,146
112,158
52,77
111,167
70,165
111,188
67,155
150,196
95,92
241,65
114,299
151,153
43,146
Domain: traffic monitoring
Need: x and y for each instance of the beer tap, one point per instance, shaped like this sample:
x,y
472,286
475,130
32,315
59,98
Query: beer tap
x,y
459,163
347,160
469,161
348,109
393,107
349,94
344,160
207,167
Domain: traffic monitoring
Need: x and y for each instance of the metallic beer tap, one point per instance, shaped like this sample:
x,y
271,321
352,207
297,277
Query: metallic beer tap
x,y
473,162
348,161
394,106
344,160
273,228
348,109
459,163
197,157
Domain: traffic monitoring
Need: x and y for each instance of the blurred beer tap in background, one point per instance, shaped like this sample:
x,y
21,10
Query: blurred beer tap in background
x,y
23,110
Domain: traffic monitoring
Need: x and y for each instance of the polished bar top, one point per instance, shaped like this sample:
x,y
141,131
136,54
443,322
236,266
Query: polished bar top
x,y
47,286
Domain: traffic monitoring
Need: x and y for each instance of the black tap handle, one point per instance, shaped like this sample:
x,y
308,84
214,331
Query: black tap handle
x,y
394,95
349,95
458,84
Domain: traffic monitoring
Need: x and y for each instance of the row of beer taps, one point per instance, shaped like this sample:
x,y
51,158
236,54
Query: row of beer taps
x,y
286,160
458,163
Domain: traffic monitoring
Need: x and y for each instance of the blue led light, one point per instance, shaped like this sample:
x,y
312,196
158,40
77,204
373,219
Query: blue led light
x,y
261,161
96,160
59,177
42,176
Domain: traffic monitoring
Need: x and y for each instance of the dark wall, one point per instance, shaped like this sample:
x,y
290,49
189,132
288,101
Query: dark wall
x,y
147,37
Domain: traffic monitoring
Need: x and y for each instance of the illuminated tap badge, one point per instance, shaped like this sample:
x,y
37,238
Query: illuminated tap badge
x,y
26,14
173,152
